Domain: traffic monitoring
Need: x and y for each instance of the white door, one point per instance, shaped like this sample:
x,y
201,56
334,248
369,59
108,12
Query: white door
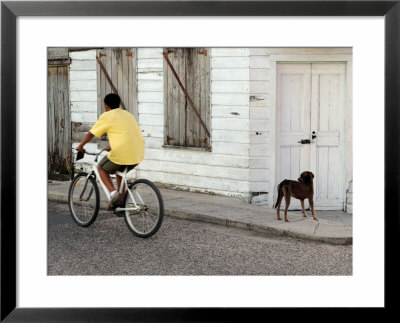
x,y
310,100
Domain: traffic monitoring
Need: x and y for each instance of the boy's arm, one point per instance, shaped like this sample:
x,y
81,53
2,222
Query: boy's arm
x,y
84,141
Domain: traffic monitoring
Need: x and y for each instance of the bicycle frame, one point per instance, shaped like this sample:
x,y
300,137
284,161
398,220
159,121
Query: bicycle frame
x,y
124,184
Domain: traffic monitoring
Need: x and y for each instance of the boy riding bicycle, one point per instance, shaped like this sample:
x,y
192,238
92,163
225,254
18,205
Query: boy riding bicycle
x,y
126,143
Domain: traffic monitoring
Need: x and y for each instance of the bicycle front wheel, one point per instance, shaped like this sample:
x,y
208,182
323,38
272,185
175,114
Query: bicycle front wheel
x,y
144,208
83,199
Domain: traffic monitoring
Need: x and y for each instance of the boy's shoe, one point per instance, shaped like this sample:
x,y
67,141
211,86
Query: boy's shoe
x,y
114,200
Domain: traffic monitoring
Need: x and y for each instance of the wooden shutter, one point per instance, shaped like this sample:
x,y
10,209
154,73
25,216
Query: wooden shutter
x,y
120,65
183,127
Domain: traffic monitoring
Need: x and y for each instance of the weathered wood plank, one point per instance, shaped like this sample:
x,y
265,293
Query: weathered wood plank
x,y
231,136
260,125
84,106
260,162
57,53
230,124
258,186
206,97
151,120
83,85
83,75
197,157
260,87
260,150
299,51
151,85
154,142
119,81
124,87
230,74
166,102
232,111
199,182
259,175
83,65
84,116
150,97
149,53
260,62
180,98
132,89
151,108
260,137
150,75
230,87
260,74
192,87
152,63
260,100
227,52
219,172
59,122
84,96
151,131
230,99
230,62
108,65
83,55
100,85
260,112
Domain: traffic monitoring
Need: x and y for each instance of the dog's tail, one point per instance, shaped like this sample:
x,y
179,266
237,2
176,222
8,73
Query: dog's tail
x,y
279,195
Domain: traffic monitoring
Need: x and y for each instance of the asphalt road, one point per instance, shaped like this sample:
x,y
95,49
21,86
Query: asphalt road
x,y
182,248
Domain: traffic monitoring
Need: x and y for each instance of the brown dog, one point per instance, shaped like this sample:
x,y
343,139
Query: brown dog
x,y
301,189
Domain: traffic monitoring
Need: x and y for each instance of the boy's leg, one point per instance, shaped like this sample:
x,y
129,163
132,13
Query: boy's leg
x,y
119,180
105,177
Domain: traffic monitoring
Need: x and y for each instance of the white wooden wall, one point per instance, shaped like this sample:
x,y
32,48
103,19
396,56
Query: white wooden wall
x,y
261,135
242,118
223,171
83,95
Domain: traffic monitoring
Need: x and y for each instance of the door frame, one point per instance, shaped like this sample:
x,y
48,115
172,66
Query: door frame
x,y
347,138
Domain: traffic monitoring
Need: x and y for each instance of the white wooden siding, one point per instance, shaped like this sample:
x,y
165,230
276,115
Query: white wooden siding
x,y
260,136
242,159
224,170
83,95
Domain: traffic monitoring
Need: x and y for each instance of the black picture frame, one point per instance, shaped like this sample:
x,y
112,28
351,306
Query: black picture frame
x,y
10,10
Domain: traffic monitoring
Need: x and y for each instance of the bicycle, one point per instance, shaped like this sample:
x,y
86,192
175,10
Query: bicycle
x,y
142,206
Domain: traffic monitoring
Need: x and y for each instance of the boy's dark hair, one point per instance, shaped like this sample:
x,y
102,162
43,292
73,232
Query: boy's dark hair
x,y
112,100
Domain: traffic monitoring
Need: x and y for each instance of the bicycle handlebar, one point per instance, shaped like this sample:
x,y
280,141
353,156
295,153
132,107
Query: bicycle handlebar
x,y
92,154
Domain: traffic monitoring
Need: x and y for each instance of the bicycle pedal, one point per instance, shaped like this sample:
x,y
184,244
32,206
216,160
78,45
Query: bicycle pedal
x,y
119,214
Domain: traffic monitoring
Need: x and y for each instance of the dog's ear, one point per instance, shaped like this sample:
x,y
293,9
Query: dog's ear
x,y
312,175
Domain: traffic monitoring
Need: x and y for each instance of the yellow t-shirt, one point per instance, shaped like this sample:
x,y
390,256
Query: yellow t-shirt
x,y
124,135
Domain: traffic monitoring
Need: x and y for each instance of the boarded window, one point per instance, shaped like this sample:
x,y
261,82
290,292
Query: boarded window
x,y
183,126
120,66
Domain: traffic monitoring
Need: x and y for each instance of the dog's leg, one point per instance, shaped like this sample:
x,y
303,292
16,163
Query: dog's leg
x,y
280,196
302,208
311,202
287,193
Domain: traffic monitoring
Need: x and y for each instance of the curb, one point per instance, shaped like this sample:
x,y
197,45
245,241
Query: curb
x,y
261,229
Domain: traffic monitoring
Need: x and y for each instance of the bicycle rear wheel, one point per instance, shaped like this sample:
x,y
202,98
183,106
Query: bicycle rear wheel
x,y
83,199
145,221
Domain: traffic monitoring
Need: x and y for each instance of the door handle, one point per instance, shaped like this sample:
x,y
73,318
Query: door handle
x,y
304,141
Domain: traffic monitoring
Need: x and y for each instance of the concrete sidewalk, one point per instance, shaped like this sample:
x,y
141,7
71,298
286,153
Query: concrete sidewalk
x,y
237,213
